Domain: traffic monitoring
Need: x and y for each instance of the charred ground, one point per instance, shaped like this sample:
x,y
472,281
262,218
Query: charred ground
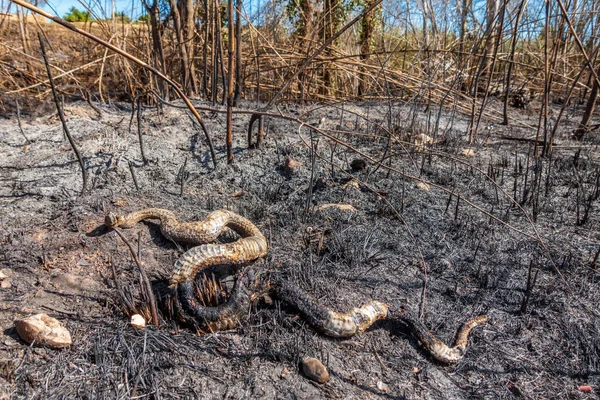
x,y
475,264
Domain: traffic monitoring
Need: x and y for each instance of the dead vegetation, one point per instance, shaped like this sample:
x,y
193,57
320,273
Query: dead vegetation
x,y
450,169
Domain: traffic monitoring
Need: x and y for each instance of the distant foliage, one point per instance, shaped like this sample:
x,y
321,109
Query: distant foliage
x,y
75,15
121,17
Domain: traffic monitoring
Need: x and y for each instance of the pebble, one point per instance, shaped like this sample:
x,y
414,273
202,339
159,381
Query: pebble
x,y
382,386
44,331
424,186
138,321
315,370
291,166
6,284
421,139
351,184
468,152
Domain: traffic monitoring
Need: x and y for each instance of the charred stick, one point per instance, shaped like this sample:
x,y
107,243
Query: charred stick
x,y
133,105
19,121
61,115
456,208
124,298
593,264
182,176
260,133
448,203
139,245
313,148
230,83
516,175
531,280
139,128
132,170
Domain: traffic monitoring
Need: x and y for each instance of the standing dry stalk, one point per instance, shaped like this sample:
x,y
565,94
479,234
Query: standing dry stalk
x,y
61,115
132,170
19,122
238,52
531,280
139,128
511,62
182,177
230,94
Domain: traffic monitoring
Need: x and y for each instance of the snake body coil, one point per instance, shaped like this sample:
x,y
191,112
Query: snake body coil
x,y
251,246
326,321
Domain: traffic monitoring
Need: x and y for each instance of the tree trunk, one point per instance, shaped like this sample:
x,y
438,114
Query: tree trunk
x,y
189,27
333,17
367,29
492,8
511,60
466,4
177,22
157,45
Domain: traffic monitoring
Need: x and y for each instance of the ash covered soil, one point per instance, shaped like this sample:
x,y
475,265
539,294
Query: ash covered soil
x,y
59,260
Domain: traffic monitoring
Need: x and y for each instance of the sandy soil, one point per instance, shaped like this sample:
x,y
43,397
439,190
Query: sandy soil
x,y
58,263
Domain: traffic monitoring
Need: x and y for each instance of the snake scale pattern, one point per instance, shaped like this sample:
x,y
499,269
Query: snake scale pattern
x,y
250,246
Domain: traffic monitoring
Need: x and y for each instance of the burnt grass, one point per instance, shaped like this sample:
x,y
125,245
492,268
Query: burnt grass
x,y
545,348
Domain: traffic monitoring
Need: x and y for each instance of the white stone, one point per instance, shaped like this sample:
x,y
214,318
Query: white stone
x,y
138,321
468,152
43,331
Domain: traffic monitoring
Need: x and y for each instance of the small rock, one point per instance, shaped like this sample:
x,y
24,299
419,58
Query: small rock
x,y
468,152
138,321
421,140
44,331
291,166
358,164
351,184
585,389
382,386
4,274
424,186
315,370
6,284
284,373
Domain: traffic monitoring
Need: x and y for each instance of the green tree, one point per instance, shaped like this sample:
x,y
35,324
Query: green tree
x,y
121,17
75,15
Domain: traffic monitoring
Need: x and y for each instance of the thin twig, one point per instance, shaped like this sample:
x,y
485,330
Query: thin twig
x,y
61,115
135,182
